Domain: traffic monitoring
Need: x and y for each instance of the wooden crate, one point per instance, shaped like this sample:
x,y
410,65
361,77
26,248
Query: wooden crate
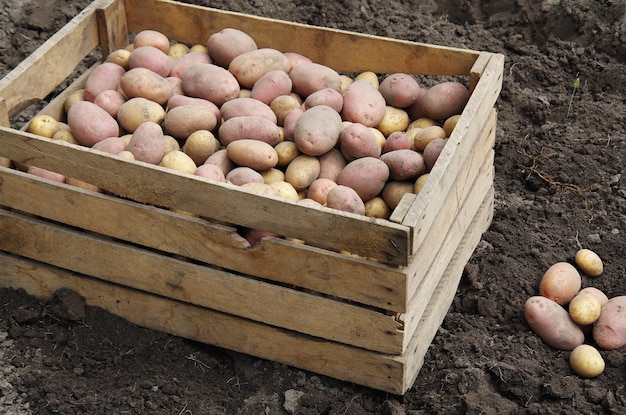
x,y
367,321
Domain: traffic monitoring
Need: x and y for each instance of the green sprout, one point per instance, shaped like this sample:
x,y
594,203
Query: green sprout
x,y
576,85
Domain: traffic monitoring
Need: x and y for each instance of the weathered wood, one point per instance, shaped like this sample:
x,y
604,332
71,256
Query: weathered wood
x,y
112,27
341,50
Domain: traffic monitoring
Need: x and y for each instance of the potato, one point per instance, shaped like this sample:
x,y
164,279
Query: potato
x,y
282,105
180,122
363,103
221,160
308,78
239,107
450,123
271,85
551,322
210,171
424,136
432,151
138,110
65,135
296,59
318,190
419,183
178,100
151,58
598,294
286,190
395,119
444,100
404,164
225,45
179,161
317,130
73,98
242,175
273,175
142,82
394,191
255,154
560,283
400,90
46,174
346,199
198,48
302,171
356,141
287,151
200,145
110,101
112,145
249,127
586,361
584,309
176,84
289,125
211,82
119,57
106,76
170,144
345,81
331,164
177,50
370,77
147,143
152,38
589,262
397,140
90,123
326,96
249,67
44,125
415,110
366,175
126,155
609,331
180,65
423,122
377,208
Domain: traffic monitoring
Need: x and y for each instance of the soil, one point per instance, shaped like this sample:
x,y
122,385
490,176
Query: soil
x,y
560,186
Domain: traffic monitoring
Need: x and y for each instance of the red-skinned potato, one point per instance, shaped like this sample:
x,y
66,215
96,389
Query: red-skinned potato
x,y
346,199
112,145
110,100
252,153
221,160
331,164
147,143
363,103
444,100
90,123
404,164
151,58
142,82
366,175
283,105
609,331
552,323
178,100
247,106
432,151
597,293
296,59
180,122
310,77
152,38
326,96
356,141
211,172
176,84
560,283
271,85
289,124
317,130
415,110
104,77
180,65
46,174
249,127
225,45
250,66
210,82
318,190
397,140
242,175
400,90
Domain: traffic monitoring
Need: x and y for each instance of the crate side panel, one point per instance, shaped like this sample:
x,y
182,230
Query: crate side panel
x,y
341,50
226,292
322,227
273,259
339,361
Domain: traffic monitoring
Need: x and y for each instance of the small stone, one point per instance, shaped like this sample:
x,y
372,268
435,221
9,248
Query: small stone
x,y
292,400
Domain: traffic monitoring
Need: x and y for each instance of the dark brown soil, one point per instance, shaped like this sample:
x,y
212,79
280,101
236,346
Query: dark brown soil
x,y
560,185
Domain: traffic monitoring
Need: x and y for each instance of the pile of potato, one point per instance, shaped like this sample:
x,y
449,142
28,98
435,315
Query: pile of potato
x,y
565,316
267,120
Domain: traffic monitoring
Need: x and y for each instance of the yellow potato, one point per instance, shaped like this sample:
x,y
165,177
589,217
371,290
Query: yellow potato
x,y
422,123
589,262
287,151
584,309
370,77
345,81
302,171
73,98
200,145
586,361
273,175
177,50
424,136
177,160
450,123
120,57
43,125
286,190
65,135
395,119
379,136
377,208
419,183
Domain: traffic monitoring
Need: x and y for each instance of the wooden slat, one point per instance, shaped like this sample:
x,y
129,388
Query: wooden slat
x,y
56,58
112,27
322,227
341,50
274,259
393,374
223,291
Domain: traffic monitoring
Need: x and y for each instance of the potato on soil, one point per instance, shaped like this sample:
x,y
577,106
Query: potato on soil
x,y
317,130
400,90
43,125
584,309
90,123
147,143
182,121
609,331
308,78
586,361
356,141
210,82
249,127
560,283
363,103
597,293
138,110
346,199
225,45
404,164
250,66
552,323
302,171
444,100
589,262
255,154
366,175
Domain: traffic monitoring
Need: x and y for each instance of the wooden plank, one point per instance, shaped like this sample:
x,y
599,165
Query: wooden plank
x,y
56,58
393,374
342,50
274,259
224,202
481,190
112,27
209,287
